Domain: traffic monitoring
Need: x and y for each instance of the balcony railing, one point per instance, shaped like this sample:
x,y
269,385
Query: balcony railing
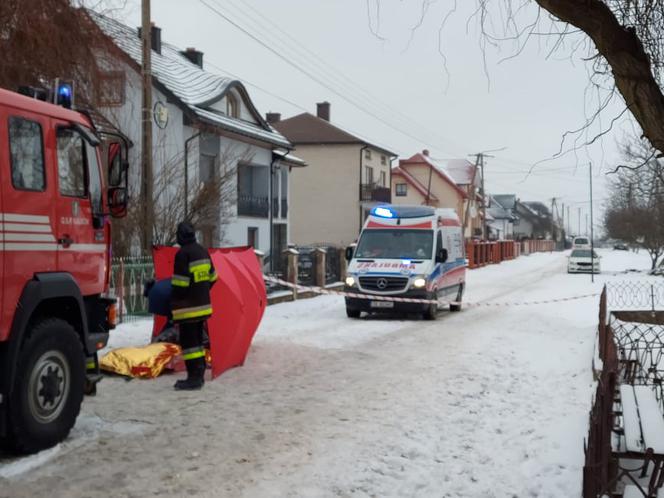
x,y
371,192
249,205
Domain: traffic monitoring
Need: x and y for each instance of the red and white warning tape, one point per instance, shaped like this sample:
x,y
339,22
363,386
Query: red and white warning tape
x,y
375,297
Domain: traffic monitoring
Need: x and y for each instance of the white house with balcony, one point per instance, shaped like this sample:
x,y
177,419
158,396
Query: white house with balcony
x,y
203,125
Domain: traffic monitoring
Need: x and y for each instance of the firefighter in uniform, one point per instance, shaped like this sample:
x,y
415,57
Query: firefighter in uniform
x,y
193,276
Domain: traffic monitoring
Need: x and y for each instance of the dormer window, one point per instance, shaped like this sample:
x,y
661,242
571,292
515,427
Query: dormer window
x,y
232,107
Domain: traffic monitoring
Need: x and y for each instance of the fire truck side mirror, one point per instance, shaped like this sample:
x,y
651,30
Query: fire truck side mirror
x,y
117,201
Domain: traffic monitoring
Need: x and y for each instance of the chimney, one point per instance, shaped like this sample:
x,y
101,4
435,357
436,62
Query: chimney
x,y
425,152
323,110
195,56
155,36
273,117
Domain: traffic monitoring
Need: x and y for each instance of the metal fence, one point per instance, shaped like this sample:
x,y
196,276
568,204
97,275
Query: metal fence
x,y
640,339
127,278
631,347
635,295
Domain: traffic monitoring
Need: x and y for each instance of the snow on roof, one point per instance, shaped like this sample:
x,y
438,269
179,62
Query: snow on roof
x,y
193,86
461,170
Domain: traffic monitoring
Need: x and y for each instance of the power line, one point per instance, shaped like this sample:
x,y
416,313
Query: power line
x,y
309,73
328,70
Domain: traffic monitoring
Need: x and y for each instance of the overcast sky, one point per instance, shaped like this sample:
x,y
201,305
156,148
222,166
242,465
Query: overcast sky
x,y
395,91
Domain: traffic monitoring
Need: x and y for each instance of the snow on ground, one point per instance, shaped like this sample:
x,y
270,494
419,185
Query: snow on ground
x,y
489,402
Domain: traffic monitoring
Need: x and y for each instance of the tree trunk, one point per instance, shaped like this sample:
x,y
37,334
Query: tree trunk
x,y
622,49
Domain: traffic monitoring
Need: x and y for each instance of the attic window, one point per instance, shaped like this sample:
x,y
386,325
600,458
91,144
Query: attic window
x,y
232,108
367,153
401,189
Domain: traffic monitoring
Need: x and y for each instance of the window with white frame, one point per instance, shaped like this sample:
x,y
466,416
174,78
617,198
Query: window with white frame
x,y
367,153
383,159
368,175
383,179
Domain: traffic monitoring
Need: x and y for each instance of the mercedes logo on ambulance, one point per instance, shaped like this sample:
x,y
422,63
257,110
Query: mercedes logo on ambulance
x,y
381,283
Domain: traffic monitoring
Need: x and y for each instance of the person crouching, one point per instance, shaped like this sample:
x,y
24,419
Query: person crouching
x,y
193,276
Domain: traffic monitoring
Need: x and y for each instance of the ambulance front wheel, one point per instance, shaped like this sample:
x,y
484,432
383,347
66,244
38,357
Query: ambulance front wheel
x,y
351,313
431,312
49,385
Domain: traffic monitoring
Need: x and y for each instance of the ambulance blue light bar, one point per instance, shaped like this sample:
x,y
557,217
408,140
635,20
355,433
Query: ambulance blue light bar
x,y
382,212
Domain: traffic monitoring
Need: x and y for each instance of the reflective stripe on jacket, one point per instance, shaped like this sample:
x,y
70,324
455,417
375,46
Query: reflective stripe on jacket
x,y
193,275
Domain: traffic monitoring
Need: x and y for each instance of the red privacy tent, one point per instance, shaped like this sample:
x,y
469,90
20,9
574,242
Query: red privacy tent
x,y
238,302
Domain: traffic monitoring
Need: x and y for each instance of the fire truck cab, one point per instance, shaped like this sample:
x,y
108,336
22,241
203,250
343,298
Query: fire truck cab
x,y
56,201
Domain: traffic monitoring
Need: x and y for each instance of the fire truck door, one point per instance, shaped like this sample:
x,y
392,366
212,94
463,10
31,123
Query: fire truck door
x,y
81,247
26,186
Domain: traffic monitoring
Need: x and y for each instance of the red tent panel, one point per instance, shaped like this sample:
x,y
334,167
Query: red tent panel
x,y
238,302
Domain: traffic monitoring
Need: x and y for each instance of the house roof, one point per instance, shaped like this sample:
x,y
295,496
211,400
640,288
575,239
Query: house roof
x,y
307,129
421,158
195,88
498,212
507,201
461,170
411,180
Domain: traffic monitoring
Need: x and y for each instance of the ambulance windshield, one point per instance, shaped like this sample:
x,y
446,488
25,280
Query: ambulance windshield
x,y
395,244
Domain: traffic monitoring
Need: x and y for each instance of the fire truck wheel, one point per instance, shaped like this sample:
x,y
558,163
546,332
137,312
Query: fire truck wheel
x,y
49,386
432,310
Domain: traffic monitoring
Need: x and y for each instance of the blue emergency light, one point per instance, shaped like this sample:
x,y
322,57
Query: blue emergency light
x,y
382,212
64,94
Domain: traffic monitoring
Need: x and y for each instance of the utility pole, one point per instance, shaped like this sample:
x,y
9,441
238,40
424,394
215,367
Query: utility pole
x,y
553,221
569,221
481,160
592,243
562,224
472,197
146,138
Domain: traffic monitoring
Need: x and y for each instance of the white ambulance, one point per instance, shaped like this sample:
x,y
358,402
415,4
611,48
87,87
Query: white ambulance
x,y
407,251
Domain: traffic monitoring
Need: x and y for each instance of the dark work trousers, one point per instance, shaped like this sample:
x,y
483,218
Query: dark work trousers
x,y
193,353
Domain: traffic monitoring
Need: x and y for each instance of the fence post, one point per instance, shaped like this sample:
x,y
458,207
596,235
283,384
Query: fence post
x,y
292,269
319,275
343,264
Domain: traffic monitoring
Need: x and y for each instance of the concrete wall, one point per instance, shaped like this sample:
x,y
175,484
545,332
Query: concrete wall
x,y
324,196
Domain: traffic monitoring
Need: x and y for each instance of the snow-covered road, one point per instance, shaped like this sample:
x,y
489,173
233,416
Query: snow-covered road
x,y
490,402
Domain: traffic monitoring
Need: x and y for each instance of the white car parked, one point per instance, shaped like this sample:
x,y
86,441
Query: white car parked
x,y
581,243
583,261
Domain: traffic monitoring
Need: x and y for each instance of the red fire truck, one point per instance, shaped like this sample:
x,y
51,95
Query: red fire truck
x,y
56,201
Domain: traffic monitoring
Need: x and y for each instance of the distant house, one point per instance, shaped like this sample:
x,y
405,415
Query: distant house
x,y
420,180
532,220
346,176
500,221
206,126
